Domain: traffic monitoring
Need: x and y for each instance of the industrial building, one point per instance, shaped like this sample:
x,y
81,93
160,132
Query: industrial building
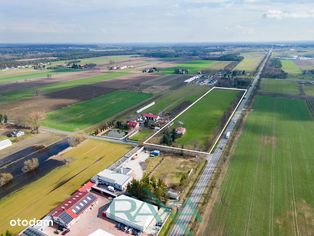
x,y
117,179
70,210
131,212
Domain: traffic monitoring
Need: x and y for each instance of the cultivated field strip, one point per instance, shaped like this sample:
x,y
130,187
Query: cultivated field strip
x,y
274,156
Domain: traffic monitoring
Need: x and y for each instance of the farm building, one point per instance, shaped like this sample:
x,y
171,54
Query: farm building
x,y
180,130
139,218
70,210
133,124
150,116
115,179
5,143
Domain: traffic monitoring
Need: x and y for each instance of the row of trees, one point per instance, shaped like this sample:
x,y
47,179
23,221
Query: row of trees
x,y
274,69
29,166
169,137
148,189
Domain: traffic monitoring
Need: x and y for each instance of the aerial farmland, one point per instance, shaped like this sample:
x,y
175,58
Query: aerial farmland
x,y
160,119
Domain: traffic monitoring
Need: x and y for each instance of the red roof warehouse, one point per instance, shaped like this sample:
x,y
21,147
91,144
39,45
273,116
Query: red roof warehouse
x,y
67,212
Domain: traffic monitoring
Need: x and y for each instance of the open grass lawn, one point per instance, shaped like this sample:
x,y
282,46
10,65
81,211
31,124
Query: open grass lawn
x,y
85,114
16,95
309,90
290,67
170,168
173,98
279,86
195,66
268,188
250,62
202,118
40,197
142,135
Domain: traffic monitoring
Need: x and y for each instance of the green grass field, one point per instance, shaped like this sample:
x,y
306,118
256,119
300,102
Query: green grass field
x,y
38,198
142,135
202,118
268,188
21,94
173,98
279,86
309,90
85,114
250,62
12,77
195,66
290,67
96,60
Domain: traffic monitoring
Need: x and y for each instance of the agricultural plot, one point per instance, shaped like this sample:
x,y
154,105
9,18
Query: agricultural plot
x,y
204,117
96,60
305,64
195,66
9,78
268,188
309,90
85,114
174,98
31,92
203,120
290,67
279,86
41,196
250,62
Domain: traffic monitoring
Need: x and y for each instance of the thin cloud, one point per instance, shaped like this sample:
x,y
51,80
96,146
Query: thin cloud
x,y
279,14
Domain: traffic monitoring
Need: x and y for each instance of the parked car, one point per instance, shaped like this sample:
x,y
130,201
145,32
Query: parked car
x,y
65,232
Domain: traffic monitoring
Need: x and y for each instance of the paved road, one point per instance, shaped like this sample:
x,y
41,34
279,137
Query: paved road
x,y
189,208
67,133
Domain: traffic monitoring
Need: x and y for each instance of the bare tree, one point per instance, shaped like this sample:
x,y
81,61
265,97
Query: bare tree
x,y
76,139
34,120
5,178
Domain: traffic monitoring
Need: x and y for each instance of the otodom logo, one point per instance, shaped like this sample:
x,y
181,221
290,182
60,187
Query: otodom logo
x,y
30,222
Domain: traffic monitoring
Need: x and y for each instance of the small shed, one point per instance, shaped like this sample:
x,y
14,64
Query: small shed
x,y
180,130
5,143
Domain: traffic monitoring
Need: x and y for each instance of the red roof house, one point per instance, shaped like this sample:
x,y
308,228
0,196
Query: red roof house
x,y
68,212
180,130
150,116
133,124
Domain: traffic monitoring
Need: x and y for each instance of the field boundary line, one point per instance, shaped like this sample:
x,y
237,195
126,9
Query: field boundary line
x,y
218,137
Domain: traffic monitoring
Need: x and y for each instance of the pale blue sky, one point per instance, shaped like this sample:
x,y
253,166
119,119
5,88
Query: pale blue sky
x,y
122,21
